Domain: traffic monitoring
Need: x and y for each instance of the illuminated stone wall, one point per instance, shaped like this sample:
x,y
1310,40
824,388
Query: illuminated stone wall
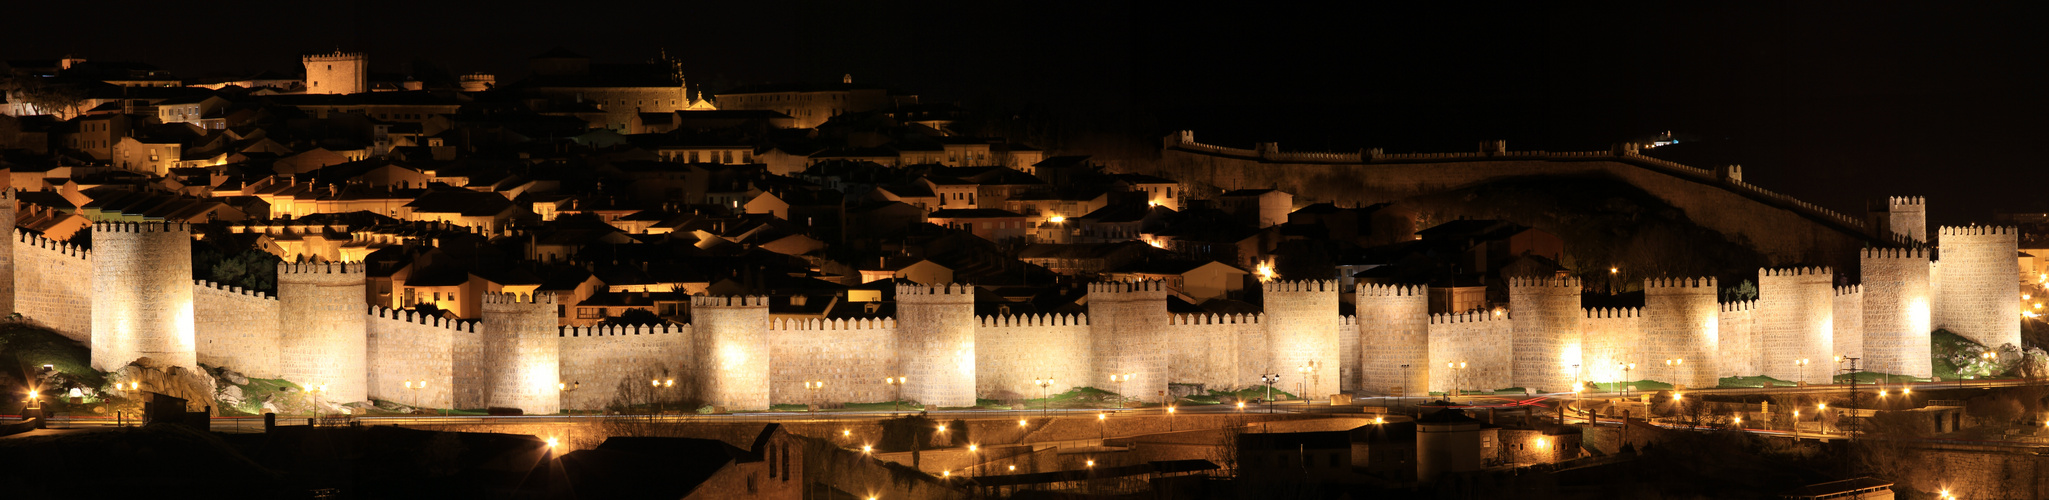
x,y
402,347
142,291
1979,284
935,342
1207,349
1013,351
321,328
522,352
1474,339
1847,315
852,358
1612,338
1682,325
1302,326
1547,336
236,328
337,73
1739,338
729,337
1908,216
1795,311
606,364
53,284
1394,330
1128,336
1897,309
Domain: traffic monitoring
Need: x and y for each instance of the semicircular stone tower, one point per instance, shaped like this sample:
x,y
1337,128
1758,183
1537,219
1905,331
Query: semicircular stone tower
x,y
522,353
1302,327
935,332
1680,324
1897,311
1979,280
1127,337
1546,332
1796,312
142,287
1394,339
729,339
323,328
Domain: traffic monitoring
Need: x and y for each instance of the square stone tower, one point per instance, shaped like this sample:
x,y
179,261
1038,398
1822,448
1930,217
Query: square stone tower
x,y
142,285
935,334
1796,316
337,73
323,328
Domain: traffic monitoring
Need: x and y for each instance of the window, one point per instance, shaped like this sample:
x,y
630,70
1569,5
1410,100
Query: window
x,y
590,313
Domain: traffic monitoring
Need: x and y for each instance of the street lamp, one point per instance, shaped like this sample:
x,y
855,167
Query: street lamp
x,y
1626,368
1269,379
1457,371
1405,385
1802,363
565,387
1045,400
813,387
898,404
414,387
1304,384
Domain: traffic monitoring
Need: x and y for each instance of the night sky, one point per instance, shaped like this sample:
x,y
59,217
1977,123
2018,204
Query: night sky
x,y
1831,102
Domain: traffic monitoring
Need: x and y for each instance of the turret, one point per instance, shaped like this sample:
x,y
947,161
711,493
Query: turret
x,y
1128,336
1796,313
1302,328
730,344
1898,312
1394,339
322,328
522,354
142,290
1546,334
935,332
1681,331
337,73
1980,284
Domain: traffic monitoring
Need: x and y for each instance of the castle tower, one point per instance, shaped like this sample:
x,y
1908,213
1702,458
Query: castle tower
x,y
323,329
1127,333
1898,315
1394,330
142,287
1907,216
1302,330
1980,284
1681,323
522,353
1548,341
337,73
730,343
935,332
1796,321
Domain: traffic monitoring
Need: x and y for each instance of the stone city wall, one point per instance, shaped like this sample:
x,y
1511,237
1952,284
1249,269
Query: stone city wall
x,y
1128,336
1208,349
1980,284
1547,336
730,337
321,327
1796,310
602,365
1847,315
1738,335
522,352
142,291
1302,327
852,357
1897,312
402,347
1011,352
1613,339
53,285
1394,330
1681,326
935,342
236,328
1466,351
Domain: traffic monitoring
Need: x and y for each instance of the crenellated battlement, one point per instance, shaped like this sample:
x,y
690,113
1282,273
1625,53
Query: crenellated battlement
x,y
141,227
728,301
507,299
832,324
1467,317
908,292
1911,202
406,316
1707,283
619,330
1291,286
1215,319
1030,320
1614,312
1977,231
1549,282
285,268
59,247
1893,253
232,290
336,56
1739,306
1795,272
1849,290
1377,290
1127,286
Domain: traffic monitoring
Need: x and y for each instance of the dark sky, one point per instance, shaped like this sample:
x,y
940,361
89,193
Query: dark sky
x,y
1832,102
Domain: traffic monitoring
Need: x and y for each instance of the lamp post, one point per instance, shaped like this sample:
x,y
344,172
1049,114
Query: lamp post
x,y
813,387
568,387
413,387
1304,384
316,389
898,403
1045,400
1672,365
1269,379
1457,371
1626,369
1802,363
661,406
1405,385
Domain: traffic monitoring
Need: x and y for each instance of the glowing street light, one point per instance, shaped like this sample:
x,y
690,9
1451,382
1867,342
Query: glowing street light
x,y
1045,399
898,404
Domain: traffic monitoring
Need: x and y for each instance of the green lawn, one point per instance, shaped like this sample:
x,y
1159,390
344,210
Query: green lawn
x,y
1641,385
1752,381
